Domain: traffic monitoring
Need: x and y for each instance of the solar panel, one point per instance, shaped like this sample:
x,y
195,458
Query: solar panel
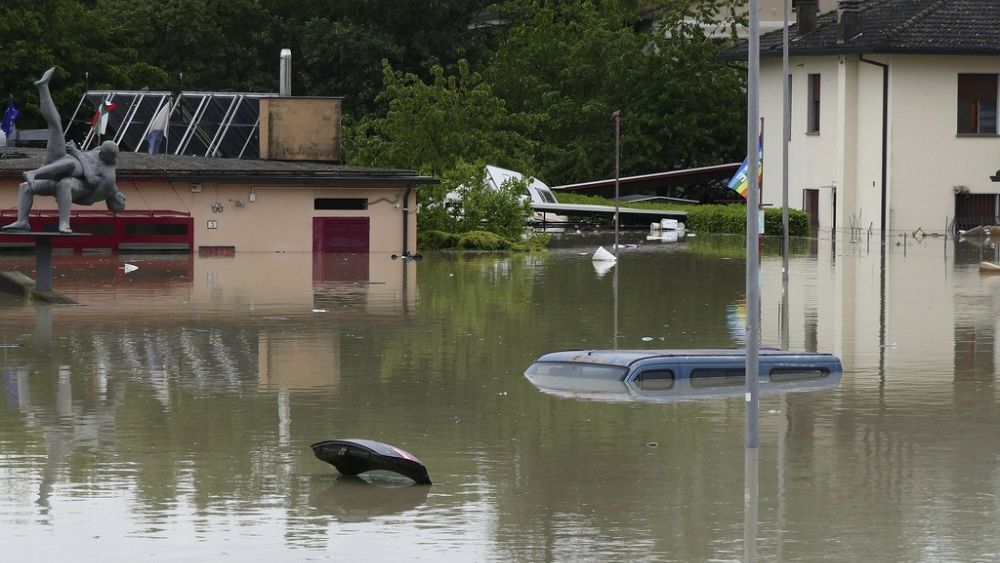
x,y
212,124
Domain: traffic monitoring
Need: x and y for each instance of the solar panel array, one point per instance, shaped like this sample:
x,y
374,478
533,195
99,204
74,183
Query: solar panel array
x,y
212,124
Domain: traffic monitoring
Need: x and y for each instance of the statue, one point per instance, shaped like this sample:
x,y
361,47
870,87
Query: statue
x,y
68,174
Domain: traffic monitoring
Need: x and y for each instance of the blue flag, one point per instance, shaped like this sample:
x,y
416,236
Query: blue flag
x,y
9,117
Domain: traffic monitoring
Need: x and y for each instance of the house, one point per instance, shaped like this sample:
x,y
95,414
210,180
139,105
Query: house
x,y
893,114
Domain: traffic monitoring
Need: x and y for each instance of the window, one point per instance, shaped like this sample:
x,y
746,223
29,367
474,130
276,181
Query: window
x,y
977,104
327,203
722,377
655,380
814,93
584,370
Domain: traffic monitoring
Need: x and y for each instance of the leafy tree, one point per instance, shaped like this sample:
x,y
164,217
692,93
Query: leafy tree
x,y
463,202
432,127
339,44
577,62
88,47
227,45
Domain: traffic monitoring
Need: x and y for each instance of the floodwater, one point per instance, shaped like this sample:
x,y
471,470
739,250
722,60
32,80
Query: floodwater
x,y
168,417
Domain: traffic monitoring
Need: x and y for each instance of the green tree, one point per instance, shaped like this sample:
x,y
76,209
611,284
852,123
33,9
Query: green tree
x,y
577,62
337,46
88,46
229,45
433,126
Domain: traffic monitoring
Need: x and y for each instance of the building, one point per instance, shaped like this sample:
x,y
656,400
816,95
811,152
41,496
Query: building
x,y
236,172
894,122
222,206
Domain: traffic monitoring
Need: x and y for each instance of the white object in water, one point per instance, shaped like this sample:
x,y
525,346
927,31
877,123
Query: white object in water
x,y
668,224
602,268
129,268
603,255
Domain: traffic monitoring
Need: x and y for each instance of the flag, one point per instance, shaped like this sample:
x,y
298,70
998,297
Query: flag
x,y
100,119
157,129
739,181
9,117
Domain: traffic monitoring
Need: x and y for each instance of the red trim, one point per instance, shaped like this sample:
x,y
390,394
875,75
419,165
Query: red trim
x,y
112,231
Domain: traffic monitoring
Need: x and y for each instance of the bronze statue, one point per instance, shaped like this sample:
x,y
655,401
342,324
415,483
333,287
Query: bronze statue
x,y
69,174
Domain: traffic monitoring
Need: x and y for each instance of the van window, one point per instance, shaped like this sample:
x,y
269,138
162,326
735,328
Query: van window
x,y
717,377
577,369
655,380
785,374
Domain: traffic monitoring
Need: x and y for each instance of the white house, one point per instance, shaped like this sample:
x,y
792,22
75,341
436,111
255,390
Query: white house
x,y
894,114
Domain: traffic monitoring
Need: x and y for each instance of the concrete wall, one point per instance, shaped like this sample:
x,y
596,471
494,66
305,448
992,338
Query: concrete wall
x,y
813,158
926,157
300,129
929,158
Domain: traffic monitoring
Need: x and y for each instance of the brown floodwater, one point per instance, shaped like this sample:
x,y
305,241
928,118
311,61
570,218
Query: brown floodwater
x,y
168,416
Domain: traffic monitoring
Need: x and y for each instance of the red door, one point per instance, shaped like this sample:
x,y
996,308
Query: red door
x,y
340,234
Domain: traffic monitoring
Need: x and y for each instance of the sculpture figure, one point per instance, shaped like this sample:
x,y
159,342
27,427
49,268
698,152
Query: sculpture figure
x,y
68,174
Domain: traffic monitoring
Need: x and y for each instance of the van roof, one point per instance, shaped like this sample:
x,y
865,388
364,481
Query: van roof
x,y
628,357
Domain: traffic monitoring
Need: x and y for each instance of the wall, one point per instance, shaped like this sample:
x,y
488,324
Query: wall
x,y
928,157
813,162
300,129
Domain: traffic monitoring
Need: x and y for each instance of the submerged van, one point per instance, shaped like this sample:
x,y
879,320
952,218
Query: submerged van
x,y
678,375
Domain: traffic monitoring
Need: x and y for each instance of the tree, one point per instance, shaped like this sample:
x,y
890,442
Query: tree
x,y
432,126
338,45
577,62
86,46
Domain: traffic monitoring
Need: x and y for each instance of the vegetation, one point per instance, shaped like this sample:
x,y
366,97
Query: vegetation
x,y
479,240
722,219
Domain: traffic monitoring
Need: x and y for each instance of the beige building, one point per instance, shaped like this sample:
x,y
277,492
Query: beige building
x,y
294,198
894,122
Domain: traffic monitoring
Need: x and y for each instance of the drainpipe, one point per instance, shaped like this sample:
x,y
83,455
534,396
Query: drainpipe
x,y
406,220
885,137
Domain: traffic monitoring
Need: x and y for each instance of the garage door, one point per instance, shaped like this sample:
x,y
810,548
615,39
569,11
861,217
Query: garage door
x,y
340,234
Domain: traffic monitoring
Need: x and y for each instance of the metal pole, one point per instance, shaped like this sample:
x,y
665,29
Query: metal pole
x,y
753,215
786,138
615,289
617,117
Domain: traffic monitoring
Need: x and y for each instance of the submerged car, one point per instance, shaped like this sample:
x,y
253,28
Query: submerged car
x,y
678,375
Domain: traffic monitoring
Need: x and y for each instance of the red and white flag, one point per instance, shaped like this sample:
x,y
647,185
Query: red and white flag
x,y
100,119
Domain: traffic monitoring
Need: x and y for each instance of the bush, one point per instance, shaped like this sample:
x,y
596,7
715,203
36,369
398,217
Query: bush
x,y
479,240
436,240
483,240
478,207
717,219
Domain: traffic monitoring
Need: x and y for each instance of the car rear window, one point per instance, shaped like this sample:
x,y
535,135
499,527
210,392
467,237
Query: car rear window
x,y
577,369
655,379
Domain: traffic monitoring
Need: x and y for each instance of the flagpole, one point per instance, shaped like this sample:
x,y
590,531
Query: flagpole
x,y
753,214
786,137
617,117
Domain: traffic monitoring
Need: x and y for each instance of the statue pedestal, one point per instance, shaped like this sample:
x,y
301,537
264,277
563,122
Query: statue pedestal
x,y
43,253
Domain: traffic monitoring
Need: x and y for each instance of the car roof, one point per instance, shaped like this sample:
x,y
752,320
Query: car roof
x,y
628,357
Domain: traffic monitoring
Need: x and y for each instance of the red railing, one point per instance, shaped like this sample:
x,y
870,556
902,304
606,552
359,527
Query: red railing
x,y
154,229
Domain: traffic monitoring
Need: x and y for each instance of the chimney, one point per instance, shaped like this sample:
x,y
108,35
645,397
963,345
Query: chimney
x,y
285,84
805,16
848,19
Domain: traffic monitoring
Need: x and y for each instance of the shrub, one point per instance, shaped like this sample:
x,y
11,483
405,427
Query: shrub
x,y
718,219
482,240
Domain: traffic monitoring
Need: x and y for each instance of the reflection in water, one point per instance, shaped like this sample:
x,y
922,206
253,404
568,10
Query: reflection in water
x,y
356,499
172,413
